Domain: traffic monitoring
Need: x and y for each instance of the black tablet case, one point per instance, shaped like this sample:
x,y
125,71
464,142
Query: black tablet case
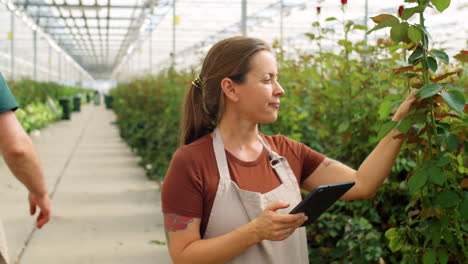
x,y
320,199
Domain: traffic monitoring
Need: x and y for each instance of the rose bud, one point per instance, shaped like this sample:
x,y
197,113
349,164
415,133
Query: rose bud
x,y
400,10
318,10
344,2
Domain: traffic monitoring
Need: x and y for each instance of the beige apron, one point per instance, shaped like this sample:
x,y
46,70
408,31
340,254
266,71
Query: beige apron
x,y
234,207
3,247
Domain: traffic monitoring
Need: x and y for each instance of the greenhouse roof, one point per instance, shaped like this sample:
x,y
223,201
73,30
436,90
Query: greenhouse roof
x,y
104,35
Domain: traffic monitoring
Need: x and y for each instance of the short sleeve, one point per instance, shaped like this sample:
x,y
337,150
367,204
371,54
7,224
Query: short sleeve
x,y
7,100
309,158
182,190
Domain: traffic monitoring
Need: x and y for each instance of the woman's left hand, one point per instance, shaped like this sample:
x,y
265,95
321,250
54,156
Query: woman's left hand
x,y
404,108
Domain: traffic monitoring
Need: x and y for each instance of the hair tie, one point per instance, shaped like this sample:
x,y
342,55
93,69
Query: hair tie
x,y
197,83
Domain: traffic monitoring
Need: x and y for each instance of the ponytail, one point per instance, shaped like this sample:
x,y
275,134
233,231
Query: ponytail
x,y
196,122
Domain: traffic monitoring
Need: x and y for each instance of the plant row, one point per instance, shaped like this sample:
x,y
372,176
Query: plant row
x,y
39,101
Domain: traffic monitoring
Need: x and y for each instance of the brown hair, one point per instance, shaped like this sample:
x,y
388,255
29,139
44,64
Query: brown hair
x,y
204,104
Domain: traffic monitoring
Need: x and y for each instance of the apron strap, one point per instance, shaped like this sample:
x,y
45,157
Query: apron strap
x,y
274,157
220,155
280,165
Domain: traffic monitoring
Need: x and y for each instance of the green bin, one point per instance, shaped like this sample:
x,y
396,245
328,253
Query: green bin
x,y
76,103
65,104
97,98
108,99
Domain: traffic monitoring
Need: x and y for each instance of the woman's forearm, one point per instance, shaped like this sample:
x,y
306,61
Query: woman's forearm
x,y
373,171
219,249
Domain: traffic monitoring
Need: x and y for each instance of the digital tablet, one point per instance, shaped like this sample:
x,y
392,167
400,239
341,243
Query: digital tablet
x,y
320,199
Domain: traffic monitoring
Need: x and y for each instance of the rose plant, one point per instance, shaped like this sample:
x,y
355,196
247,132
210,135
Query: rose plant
x,y
435,228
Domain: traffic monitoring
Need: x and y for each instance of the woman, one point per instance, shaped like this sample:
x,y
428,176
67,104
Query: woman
x,y
228,190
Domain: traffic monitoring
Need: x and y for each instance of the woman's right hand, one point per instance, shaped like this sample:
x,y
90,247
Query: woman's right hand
x,y
274,226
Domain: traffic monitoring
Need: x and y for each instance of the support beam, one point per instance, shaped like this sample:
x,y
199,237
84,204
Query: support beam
x,y
173,34
150,50
281,21
49,62
244,18
12,46
59,67
35,55
366,17
74,6
80,17
48,26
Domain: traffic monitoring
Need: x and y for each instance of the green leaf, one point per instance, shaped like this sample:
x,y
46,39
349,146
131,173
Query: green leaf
x,y
432,64
157,242
454,100
415,56
441,5
399,32
435,233
452,142
461,57
330,19
442,161
381,18
409,12
447,199
386,23
428,90
385,129
385,108
414,34
429,257
360,27
436,175
393,236
464,208
442,254
417,180
310,35
447,236
453,86
440,54
404,125
343,127
424,30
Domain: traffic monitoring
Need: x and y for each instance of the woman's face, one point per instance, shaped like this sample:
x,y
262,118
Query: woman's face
x,y
259,95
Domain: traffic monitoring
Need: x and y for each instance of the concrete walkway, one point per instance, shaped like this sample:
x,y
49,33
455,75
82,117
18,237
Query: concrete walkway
x,y
105,210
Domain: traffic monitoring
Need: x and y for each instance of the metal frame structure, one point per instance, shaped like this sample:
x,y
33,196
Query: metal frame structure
x,y
90,31
108,37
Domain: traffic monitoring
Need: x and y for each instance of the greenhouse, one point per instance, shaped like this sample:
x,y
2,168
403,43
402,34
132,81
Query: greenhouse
x,y
179,131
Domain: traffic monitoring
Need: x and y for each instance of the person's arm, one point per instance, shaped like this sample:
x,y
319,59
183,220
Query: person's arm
x,y
372,172
20,156
186,246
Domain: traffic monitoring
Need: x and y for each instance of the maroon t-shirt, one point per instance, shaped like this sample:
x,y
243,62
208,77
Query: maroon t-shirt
x,y
191,182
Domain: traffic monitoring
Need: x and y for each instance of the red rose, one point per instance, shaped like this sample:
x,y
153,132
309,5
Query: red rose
x,y
318,10
400,10
344,2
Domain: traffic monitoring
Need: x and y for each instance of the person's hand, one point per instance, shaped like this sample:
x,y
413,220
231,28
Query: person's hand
x,y
44,204
404,108
271,225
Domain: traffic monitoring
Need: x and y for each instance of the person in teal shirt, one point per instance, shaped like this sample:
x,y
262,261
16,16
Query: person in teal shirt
x,y
20,155
7,100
